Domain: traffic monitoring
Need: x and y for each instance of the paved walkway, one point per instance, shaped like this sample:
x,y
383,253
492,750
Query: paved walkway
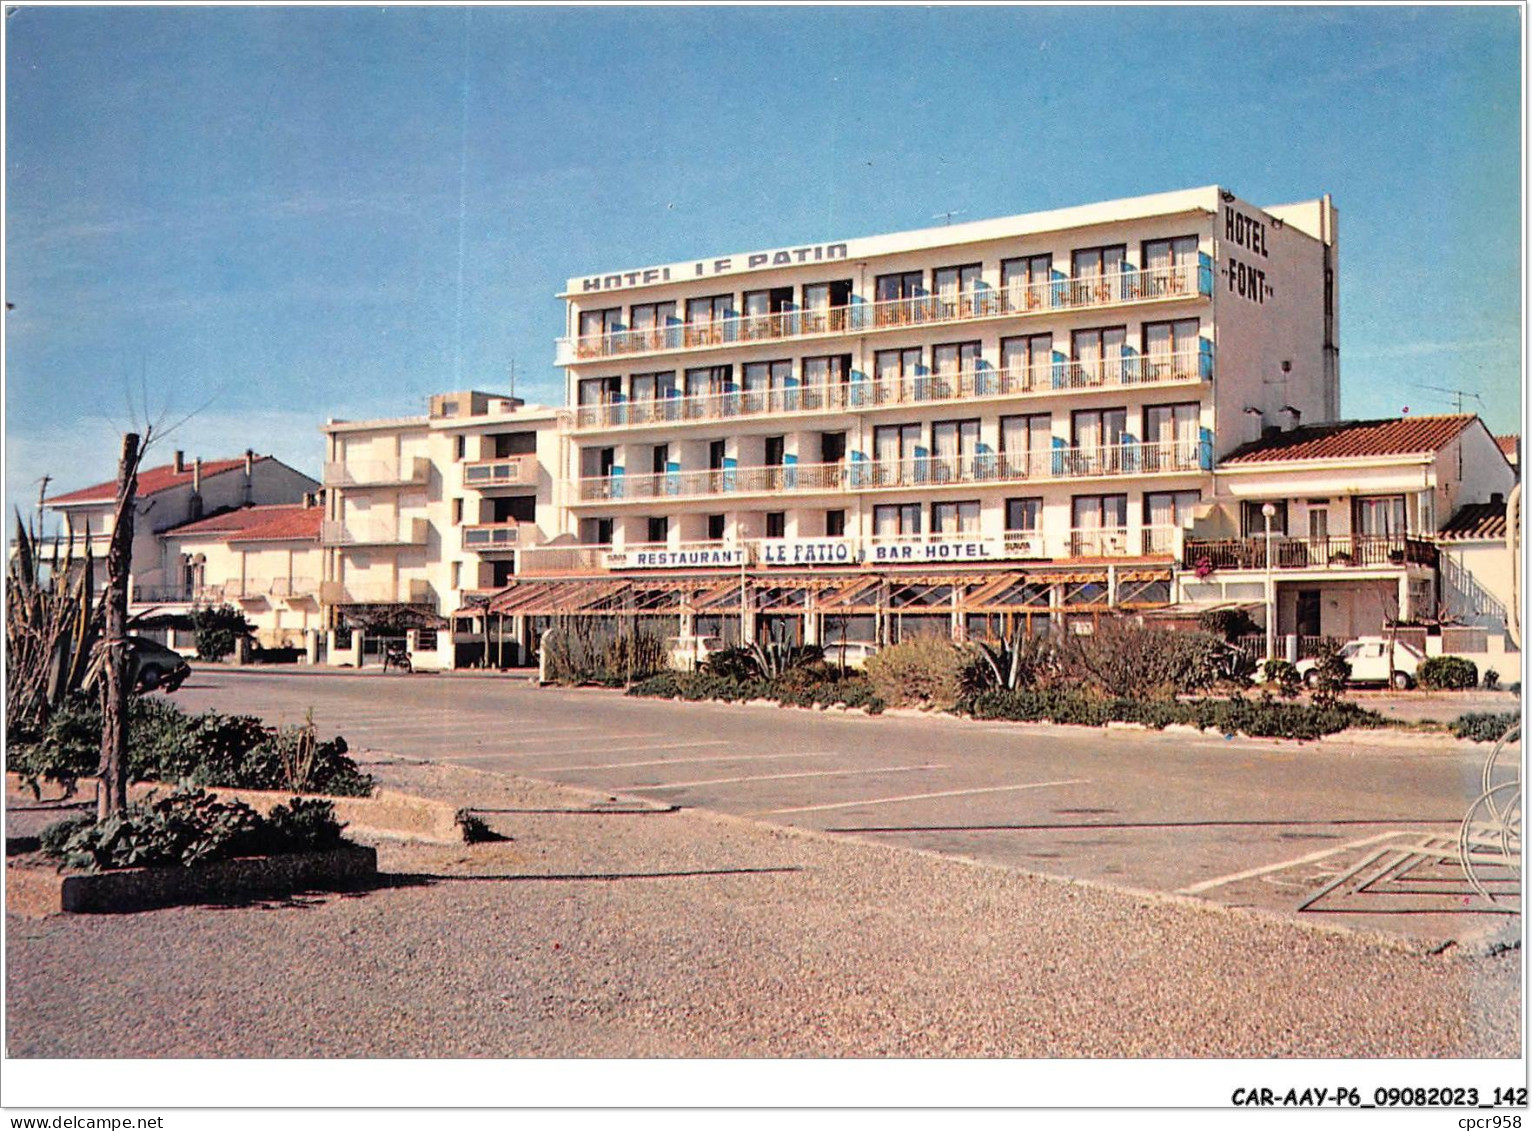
x,y
655,932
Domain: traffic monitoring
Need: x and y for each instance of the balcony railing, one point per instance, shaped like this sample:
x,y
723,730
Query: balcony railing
x,y
514,471
1083,292
378,473
412,591
1106,461
1340,552
492,536
1186,367
537,561
409,532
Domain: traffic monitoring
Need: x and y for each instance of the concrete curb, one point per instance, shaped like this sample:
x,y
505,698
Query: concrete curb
x,y
36,889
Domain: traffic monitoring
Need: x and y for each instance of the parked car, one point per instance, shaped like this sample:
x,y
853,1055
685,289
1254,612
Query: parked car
x,y
1369,660
152,665
687,653
851,654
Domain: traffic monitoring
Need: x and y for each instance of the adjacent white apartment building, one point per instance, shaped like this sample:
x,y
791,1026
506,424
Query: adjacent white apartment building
x,y
1040,399
423,512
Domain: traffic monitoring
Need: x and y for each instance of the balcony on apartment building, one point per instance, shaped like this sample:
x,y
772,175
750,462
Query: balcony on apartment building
x,y
1130,286
412,591
290,589
1358,551
405,532
1108,461
412,472
486,537
1187,367
1013,547
512,471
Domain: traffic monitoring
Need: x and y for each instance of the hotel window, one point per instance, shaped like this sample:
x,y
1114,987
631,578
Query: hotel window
x,y
760,378
900,298
661,457
953,444
763,312
824,306
1098,356
835,524
599,323
1168,264
1098,435
1025,444
706,318
716,450
1254,522
1170,435
955,518
956,287
1024,516
953,367
715,527
895,452
1027,362
1094,262
649,321
711,381
599,390
1099,525
899,375
1381,516
1164,513
776,524
825,380
1171,349
775,448
595,532
659,529
892,520
653,396
1024,281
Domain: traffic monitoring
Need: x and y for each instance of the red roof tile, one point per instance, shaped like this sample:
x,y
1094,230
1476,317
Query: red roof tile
x,y
1475,522
1355,439
1509,444
273,522
151,481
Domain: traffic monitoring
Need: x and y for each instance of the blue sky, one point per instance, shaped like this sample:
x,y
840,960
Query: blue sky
x,y
268,216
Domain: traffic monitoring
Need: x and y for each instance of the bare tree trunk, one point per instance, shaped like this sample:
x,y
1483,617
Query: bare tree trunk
x,y
112,793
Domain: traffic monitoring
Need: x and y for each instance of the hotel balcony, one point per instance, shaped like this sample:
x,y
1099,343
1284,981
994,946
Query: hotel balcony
x,y
1361,551
513,471
1107,462
1189,367
409,532
408,592
1185,282
487,537
272,589
415,472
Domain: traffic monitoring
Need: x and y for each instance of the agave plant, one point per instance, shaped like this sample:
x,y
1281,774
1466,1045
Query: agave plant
x,y
1016,660
52,628
777,657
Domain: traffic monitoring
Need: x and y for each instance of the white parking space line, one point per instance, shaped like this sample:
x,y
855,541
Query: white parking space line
x,y
920,797
675,762
581,750
1207,885
772,777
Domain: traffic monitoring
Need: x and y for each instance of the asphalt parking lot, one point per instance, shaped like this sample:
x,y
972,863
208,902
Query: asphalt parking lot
x,y
1241,822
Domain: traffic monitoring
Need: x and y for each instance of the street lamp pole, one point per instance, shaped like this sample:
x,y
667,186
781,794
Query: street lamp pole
x,y
1268,512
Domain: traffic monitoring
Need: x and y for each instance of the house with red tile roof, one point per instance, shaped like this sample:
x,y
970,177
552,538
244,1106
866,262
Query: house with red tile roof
x,y
1340,527
1511,447
171,495
264,559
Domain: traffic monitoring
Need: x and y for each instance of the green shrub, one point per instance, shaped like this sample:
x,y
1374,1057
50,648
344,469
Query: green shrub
x,y
1128,660
853,691
1484,726
190,826
1227,624
53,838
1328,678
1491,679
923,671
731,663
1449,673
218,630
1284,677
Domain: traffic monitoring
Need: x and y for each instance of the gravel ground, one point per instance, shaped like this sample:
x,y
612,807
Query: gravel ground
x,y
656,933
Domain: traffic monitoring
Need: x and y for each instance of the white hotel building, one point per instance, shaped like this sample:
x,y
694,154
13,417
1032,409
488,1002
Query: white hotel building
x,y
1014,416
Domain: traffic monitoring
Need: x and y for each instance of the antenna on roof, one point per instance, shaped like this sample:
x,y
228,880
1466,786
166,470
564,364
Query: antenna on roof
x,y
1457,395
946,217
513,377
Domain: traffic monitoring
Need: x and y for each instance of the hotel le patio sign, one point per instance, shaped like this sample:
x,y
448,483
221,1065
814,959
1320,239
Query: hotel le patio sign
x,y
707,268
812,551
